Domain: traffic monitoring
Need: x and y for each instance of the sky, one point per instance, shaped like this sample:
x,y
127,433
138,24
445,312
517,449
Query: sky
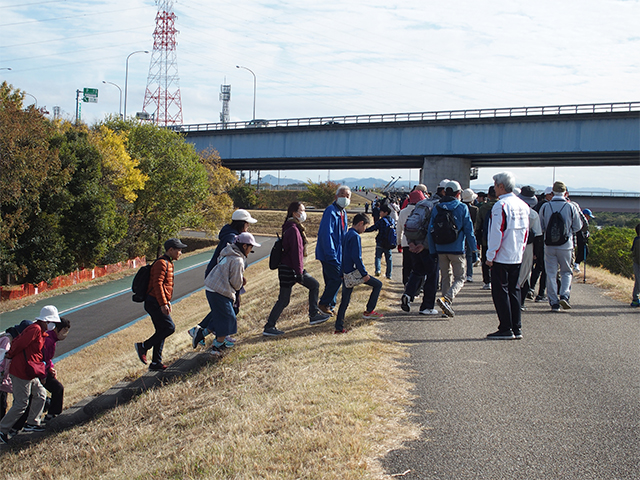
x,y
336,57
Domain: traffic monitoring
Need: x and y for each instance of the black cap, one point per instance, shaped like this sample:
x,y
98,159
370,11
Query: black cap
x,y
528,192
174,243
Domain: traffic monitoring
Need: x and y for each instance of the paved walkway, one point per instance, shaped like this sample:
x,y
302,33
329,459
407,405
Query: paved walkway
x,y
562,403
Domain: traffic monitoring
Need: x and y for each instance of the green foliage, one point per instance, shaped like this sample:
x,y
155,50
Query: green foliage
x,y
278,199
616,219
244,196
611,249
320,195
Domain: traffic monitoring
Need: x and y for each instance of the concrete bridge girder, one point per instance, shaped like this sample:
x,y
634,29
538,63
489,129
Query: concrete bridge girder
x,y
435,169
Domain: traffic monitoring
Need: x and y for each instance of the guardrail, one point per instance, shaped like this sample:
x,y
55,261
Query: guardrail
x,y
578,193
592,108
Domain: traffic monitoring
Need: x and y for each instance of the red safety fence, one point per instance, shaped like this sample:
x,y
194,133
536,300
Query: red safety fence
x,y
79,276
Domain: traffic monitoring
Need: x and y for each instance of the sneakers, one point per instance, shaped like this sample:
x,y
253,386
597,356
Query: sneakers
x,y
338,332
486,286
319,318
142,353
502,335
377,274
33,428
530,295
540,298
635,303
517,334
157,367
564,303
470,279
326,309
576,268
272,332
371,315
445,306
429,311
220,346
405,303
4,438
197,336
555,308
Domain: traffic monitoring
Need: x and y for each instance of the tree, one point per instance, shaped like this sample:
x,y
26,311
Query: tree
x,y
321,195
244,196
217,206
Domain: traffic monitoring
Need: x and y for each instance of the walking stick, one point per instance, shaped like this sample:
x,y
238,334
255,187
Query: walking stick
x,y
584,277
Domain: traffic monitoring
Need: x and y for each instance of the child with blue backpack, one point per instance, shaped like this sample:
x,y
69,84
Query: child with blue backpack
x,y
386,240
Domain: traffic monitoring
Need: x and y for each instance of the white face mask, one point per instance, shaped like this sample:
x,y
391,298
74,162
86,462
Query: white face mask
x,y
302,216
51,326
343,202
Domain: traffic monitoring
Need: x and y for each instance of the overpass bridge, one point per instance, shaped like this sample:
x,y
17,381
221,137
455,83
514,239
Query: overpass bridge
x,y
444,144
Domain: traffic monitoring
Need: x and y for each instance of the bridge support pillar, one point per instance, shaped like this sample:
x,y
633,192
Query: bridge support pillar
x,y
434,169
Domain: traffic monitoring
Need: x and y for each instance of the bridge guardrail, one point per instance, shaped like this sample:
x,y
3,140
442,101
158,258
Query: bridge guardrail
x,y
592,108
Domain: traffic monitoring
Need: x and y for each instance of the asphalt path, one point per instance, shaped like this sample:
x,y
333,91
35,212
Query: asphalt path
x,y
562,403
98,311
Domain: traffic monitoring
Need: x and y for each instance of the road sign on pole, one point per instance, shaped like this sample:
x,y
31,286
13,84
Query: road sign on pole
x,y
90,95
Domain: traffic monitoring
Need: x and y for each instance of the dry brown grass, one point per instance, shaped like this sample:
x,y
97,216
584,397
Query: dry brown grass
x,y
614,286
310,405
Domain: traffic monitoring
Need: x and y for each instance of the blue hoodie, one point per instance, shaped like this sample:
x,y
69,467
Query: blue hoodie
x,y
352,253
463,222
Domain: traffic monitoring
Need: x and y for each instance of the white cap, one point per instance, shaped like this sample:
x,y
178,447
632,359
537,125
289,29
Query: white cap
x,y
243,215
49,314
468,195
443,183
548,191
453,185
247,238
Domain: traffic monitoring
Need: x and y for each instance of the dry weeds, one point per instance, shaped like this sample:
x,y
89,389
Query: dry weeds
x,y
310,405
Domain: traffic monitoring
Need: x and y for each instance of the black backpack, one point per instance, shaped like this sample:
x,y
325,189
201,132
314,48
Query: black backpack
x,y
276,254
140,283
444,229
556,232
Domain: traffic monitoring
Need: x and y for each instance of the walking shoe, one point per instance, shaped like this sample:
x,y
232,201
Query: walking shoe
x,y
193,332
372,314
4,438
405,303
228,338
157,367
429,311
517,334
338,332
142,353
576,268
377,274
501,335
272,332
326,309
564,303
319,318
220,346
635,303
33,428
388,277
530,295
486,286
13,432
555,308
445,306
470,279
540,298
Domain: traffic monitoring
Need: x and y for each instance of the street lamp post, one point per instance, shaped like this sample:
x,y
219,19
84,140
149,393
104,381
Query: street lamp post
x,y
34,97
254,88
126,79
120,104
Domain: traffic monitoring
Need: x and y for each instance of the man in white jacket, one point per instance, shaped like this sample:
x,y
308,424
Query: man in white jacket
x,y
507,240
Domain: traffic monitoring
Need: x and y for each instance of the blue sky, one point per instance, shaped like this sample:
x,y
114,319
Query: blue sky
x,y
336,57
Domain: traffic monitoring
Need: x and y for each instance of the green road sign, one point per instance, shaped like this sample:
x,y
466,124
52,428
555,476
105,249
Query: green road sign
x,y
90,95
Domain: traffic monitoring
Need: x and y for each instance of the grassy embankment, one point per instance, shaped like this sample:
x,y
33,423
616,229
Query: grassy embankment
x,y
309,405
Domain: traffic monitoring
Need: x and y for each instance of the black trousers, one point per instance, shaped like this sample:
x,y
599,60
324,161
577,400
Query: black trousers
x,y
505,292
164,327
424,273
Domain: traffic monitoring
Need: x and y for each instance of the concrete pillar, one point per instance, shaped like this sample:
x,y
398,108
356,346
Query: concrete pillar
x,y
434,169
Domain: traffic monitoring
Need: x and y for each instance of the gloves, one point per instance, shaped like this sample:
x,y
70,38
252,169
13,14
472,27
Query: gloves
x,y
400,248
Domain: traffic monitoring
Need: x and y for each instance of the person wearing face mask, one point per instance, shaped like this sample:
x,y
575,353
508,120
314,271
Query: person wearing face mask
x,y
291,271
26,367
333,228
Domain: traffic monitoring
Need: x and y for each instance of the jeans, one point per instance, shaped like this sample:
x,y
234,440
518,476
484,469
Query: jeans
x,y
555,257
424,271
332,281
285,296
387,257
224,322
164,328
505,292
376,286
451,284
471,256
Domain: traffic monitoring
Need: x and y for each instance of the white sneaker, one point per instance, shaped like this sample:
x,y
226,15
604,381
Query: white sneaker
x,y
470,279
429,311
486,286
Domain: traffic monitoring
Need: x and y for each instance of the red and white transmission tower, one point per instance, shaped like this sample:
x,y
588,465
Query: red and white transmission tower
x,y
162,97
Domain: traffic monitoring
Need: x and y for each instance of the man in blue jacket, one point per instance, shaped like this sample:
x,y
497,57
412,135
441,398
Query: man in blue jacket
x,y
333,227
449,227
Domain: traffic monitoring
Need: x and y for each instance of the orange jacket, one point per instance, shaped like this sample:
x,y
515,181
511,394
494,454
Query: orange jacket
x,y
161,280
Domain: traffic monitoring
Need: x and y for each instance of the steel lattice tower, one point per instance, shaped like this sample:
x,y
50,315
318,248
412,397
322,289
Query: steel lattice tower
x,y
162,96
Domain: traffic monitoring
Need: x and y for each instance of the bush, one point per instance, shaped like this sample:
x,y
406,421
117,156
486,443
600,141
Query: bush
x,y
277,199
611,249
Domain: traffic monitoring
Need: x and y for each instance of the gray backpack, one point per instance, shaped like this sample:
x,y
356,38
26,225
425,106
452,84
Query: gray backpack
x,y
417,224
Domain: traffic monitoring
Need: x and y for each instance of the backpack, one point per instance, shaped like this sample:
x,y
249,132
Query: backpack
x,y
388,235
417,224
556,233
276,254
444,229
140,283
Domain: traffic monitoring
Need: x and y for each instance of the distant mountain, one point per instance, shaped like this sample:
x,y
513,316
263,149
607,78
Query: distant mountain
x,y
270,179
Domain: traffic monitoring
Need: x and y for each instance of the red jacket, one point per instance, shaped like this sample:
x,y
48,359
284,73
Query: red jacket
x,y
161,280
30,341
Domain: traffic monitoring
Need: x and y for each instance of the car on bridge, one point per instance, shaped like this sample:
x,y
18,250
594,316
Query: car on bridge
x,y
257,123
